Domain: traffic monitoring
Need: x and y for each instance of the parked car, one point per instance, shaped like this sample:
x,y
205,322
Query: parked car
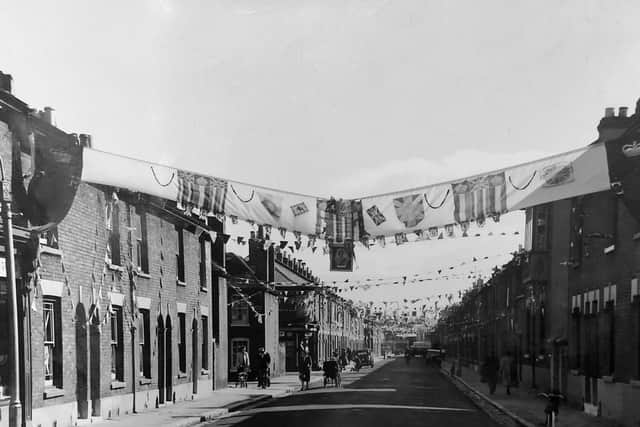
x,y
365,356
434,356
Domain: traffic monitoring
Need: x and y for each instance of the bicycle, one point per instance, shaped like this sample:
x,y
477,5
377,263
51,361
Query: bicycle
x,y
552,408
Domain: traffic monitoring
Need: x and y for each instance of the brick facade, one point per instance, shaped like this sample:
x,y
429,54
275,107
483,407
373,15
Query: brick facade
x,y
79,283
570,318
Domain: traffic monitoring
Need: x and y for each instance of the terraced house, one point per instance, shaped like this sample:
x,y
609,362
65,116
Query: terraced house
x,y
568,306
120,306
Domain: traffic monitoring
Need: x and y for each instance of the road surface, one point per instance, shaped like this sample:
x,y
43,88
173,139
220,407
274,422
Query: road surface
x,y
395,394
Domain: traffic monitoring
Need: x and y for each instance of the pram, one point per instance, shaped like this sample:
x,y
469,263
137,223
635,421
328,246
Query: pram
x,y
331,372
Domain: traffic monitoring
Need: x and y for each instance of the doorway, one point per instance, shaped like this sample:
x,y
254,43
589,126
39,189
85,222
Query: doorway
x,y
194,355
82,363
160,333
94,361
168,359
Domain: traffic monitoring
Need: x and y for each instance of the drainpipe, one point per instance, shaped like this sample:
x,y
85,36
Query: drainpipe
x,y
133,337
15,407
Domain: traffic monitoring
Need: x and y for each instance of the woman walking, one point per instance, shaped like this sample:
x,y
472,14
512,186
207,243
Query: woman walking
x,y
305,371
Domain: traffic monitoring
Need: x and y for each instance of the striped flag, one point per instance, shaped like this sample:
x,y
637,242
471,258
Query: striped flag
x,y
204,193
480,197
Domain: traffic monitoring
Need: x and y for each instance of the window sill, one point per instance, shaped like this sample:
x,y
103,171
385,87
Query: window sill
x,y
115,267
53,392
608,379
247,324
181,283
574,372
205,289
115,385
144,381
636,236
142,274
204,372
609,249
51,251
182,375
635,383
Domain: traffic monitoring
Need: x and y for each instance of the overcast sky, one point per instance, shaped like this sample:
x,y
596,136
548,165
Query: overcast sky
x,y
331,98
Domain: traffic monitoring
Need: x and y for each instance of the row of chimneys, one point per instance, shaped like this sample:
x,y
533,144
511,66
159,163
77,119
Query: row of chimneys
x,y
47,115
622,111
297,265
611,112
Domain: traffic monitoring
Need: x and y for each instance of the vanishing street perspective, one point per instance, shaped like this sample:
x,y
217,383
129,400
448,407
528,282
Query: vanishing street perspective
x,y
313,213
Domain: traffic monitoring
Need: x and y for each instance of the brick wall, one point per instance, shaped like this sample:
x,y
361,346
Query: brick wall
x,y
83,237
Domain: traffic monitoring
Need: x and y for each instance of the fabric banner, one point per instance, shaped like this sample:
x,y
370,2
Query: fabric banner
x,y
100,167
288,211
46,192
432,207
489,195
339,220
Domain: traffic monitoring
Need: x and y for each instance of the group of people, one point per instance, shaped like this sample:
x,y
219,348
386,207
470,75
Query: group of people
x,y
504,369
348,358
263,366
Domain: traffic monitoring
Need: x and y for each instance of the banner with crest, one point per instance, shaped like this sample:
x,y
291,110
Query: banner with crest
x,y
472,199
489,195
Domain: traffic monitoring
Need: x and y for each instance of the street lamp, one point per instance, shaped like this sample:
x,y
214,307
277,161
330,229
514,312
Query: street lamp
x,y
532,303
15,407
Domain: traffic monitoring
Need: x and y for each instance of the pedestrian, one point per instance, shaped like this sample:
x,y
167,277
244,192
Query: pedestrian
x,y
243,359
342,361
264,361
491,368
305,371
506,370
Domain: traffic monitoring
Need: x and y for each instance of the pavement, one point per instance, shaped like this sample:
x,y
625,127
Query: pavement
x,y
394,393
215,404
522,407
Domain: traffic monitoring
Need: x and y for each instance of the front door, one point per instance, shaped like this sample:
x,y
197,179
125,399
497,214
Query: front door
x,y
94,363
82,363
168,361
160,334
195,371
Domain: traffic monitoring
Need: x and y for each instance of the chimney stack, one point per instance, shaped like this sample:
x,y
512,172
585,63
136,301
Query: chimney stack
x,y
622,112
5,82
85,140
49,116
612,126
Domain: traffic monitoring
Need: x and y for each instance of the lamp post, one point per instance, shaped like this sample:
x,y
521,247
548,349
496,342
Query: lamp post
x,y
15,407
532,303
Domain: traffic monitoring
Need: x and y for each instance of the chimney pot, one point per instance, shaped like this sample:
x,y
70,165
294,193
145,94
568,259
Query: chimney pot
x,y
622,112
609,112
5,82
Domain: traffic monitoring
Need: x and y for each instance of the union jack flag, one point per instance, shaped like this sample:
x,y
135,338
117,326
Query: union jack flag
x,y
480,197
204,193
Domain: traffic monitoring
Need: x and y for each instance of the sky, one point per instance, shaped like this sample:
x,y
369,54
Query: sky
x,y
331,98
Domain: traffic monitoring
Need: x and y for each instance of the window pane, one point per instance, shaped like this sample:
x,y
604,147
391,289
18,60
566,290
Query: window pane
x,y
48,317
114,328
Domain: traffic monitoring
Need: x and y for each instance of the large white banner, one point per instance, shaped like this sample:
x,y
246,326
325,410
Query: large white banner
x,y
460,201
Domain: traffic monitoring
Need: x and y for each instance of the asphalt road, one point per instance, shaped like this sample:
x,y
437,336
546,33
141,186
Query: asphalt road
x,y
395,394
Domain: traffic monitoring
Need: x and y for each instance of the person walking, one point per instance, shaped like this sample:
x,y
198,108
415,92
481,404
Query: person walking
x,y
243,366
264,361
506,370
491,368
305,371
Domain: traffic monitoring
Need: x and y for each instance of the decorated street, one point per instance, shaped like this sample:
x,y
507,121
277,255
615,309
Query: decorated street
x,y
396,394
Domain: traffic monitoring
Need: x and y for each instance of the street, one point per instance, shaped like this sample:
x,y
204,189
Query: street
x,y
396,394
